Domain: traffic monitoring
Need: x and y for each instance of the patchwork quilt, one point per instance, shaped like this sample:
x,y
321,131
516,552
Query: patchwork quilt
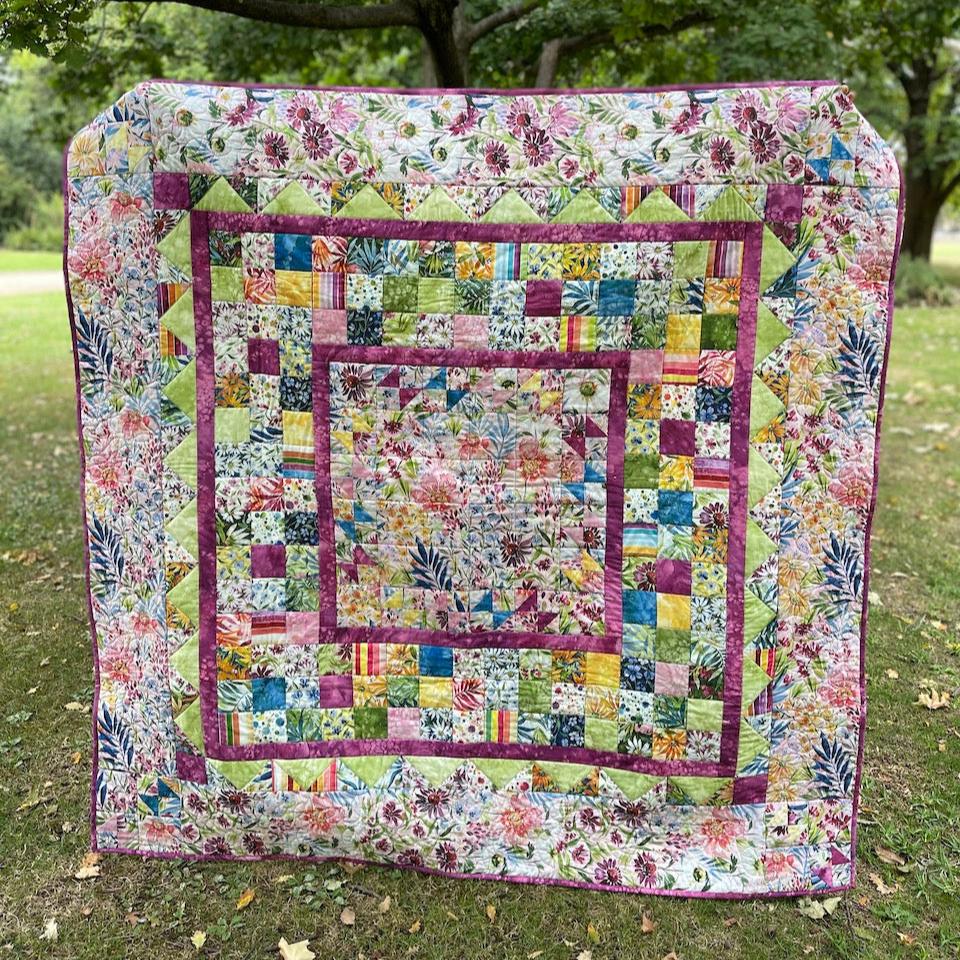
x,y
480,482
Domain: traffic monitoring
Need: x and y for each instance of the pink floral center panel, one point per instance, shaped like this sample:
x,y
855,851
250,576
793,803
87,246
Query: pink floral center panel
x,y
471,499
473,490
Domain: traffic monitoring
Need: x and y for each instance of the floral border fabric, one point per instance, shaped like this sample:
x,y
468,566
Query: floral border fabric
x,y
186,326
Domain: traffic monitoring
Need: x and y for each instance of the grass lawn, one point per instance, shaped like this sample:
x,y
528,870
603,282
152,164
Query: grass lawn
x,y
17,261
149,909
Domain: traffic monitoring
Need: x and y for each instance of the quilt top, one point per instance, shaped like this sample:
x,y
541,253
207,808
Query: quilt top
x,y
480,482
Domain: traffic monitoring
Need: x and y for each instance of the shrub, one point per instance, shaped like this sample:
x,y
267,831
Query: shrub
x,y
43,229
919,283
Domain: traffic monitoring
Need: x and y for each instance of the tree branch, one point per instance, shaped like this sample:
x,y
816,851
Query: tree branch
x,y
508,15
554,48
295,14
944,192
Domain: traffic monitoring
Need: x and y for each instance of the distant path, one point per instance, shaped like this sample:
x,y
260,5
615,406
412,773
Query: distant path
x,y
31,281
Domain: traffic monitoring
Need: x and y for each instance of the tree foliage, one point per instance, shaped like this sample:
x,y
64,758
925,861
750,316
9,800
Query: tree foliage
x,y
901,56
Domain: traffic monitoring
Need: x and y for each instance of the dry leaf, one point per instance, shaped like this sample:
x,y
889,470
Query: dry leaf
x,y
295,951
491,912
198,939
245,898
593,935
885,855
451,915
347,917
132,919
534,955
585,955
284,878
647,925
50,931
73,706
907,938
817,909
384,904
89,867
730,921
882,887
893,675
415,927
935,699
671,956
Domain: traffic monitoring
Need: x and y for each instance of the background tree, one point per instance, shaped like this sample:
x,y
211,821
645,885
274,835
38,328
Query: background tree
x,y
450,29
899,55
910,51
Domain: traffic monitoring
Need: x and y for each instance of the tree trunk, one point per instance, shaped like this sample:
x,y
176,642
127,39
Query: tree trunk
x,y
921,206
438,22
923,179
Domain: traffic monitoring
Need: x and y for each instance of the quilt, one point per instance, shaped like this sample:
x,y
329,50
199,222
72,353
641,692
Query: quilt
x,y
480,481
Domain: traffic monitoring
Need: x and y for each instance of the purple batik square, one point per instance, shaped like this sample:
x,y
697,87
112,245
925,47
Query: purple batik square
x,y
543,298
750,789
673,576
264,357
268,560
784,202
678,437
336,691
191,767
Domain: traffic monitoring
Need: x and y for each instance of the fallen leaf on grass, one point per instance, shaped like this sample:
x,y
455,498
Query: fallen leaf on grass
x,y
593,934
585,955
198,939
89,867
347,917
893,859
881,885
415,927
874,598
935,699
534,955
893,675
491,912
50,931
245,898
384,904
647,925
73,706
295,951
817,909
907,938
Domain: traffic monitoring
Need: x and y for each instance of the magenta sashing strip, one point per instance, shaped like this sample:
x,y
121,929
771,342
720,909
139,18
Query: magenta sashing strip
x,y
480,482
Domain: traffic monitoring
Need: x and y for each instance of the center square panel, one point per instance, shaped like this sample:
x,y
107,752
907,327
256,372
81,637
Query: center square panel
x,y
479,489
